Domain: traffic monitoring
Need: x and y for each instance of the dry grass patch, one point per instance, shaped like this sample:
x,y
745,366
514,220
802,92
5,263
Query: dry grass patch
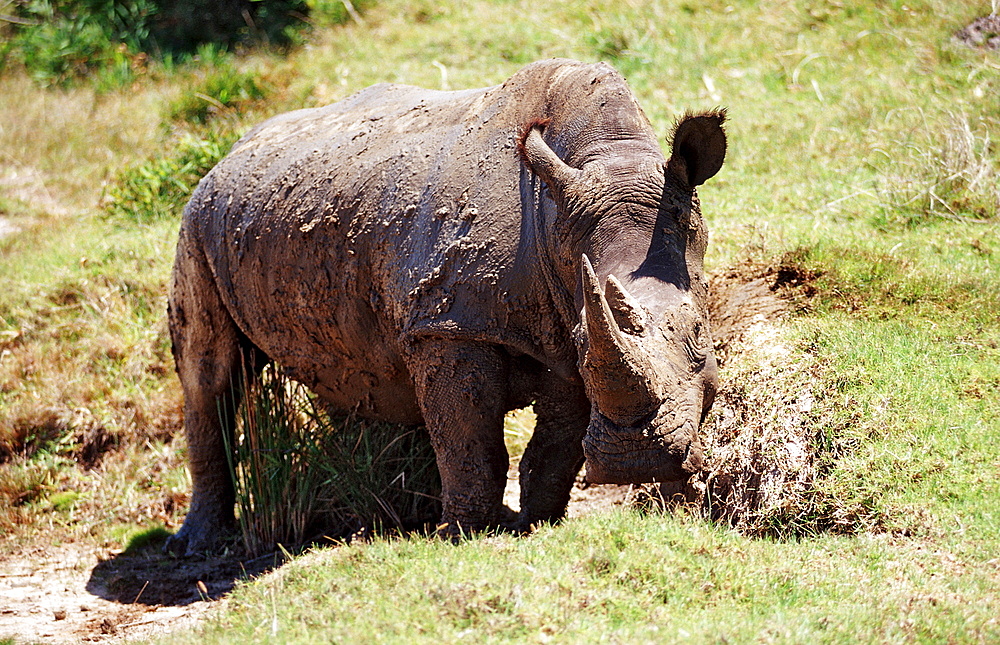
x,y
55,155
945,169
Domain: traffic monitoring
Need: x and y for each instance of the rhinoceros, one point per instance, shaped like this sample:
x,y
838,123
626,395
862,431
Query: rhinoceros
x,y
444,257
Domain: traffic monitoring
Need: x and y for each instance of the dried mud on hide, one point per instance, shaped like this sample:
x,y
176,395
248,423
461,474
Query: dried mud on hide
x,y
981,33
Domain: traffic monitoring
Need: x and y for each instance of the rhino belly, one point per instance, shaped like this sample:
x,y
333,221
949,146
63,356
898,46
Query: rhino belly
x,y
326,336
375,387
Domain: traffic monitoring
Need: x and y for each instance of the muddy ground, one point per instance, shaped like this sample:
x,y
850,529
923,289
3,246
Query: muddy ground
x,y
75,592
78,593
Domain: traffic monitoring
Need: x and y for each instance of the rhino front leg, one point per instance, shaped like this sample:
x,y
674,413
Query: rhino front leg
x,y
462,389
554,454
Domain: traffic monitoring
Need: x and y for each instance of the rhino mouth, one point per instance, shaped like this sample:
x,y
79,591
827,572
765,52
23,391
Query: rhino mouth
x,y
643,453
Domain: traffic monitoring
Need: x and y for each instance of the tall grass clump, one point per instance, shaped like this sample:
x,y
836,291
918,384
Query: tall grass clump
x,y
269,463
301,471
946,169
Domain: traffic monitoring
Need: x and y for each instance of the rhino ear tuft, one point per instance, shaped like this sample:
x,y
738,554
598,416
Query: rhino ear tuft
x,y
699,146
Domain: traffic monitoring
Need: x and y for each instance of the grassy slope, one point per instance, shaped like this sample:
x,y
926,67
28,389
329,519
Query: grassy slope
x,y
839,116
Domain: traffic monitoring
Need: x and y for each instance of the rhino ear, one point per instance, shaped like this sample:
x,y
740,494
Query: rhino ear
x,y
544,162
699,146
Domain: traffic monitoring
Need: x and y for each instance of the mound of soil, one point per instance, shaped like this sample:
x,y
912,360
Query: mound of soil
x,y
981,33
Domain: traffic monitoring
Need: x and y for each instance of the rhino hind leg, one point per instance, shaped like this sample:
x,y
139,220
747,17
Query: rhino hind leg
x,y
462,389
213,361
554,455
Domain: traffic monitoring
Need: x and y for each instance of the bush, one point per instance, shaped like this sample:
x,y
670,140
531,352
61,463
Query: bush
x,y
159,188
300,470
224,90
180,27
59,42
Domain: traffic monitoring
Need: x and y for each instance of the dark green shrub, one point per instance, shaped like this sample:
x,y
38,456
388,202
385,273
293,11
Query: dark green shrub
x,y
59,41
180,27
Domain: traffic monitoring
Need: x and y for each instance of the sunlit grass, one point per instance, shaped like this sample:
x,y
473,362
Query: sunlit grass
x,y
642,579
862,140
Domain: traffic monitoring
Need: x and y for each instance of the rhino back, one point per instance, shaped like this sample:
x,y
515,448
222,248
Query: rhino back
x,y
333,232
337,234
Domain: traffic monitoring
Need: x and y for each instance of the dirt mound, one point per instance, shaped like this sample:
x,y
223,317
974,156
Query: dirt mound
x,y
761,443
746,294
763,452
981,33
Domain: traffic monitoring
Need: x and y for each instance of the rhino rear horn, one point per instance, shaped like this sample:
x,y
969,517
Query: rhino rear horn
x,y
627,311
623,389
698,147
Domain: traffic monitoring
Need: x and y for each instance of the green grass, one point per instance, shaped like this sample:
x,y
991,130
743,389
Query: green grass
x,y
622,577
82,318
863,144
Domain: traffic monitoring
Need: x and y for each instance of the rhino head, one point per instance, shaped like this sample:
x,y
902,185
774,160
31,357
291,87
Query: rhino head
x,y
644,345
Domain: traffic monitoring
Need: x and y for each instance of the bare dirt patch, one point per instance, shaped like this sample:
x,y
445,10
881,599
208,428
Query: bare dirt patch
x,y
76,593
45,599
7,227
981,33
758,458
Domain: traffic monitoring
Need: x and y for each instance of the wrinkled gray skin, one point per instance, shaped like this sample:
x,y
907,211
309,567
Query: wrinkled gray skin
x,y
445,257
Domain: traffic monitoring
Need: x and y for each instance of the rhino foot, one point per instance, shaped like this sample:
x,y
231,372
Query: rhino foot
x,y
199,537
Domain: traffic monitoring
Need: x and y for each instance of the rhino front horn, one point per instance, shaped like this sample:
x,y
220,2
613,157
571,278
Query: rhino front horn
x,y
614,367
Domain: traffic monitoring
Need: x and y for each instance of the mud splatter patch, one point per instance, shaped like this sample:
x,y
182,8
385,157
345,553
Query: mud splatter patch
x,y
767,439
981,33
752,292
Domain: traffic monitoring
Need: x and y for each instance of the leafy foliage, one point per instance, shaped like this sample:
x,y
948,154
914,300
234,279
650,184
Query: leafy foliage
x,y
225,90
58,42
62,41
158,188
